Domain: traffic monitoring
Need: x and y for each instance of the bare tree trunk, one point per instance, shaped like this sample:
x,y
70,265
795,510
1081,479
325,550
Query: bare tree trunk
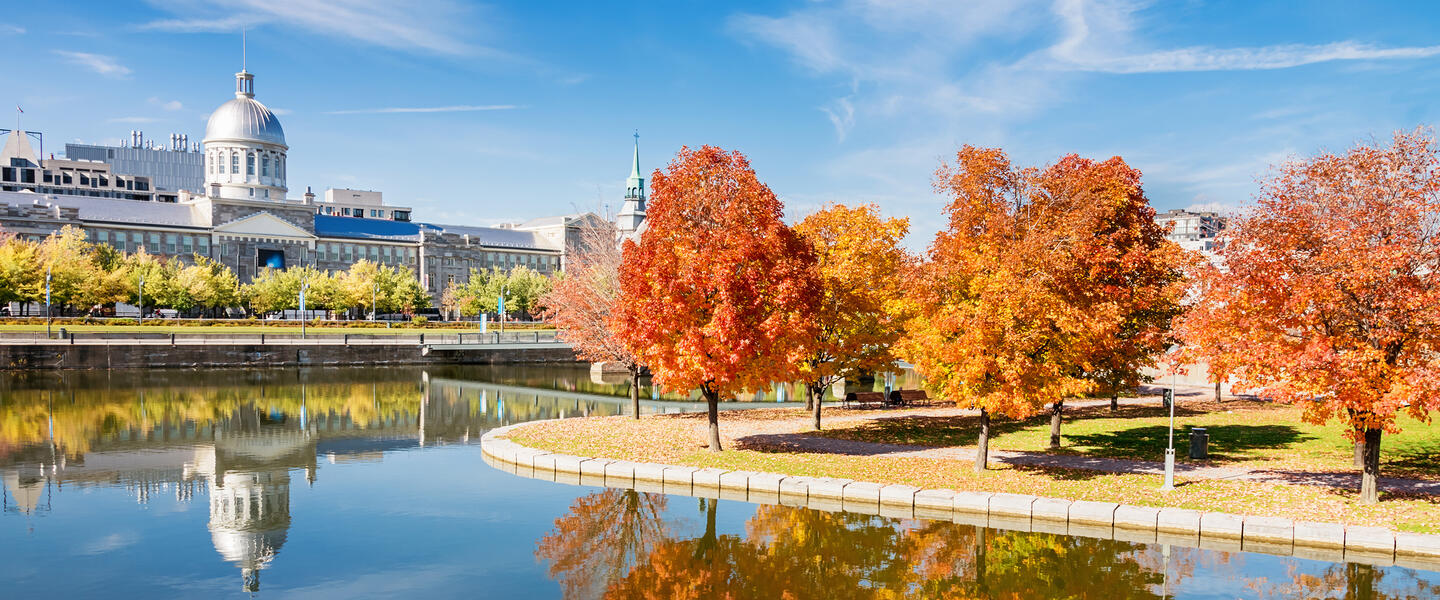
x,y
712,403
1369,484
635,390
1217,390
1114,402
817,393
1055,415
982,445
1360,454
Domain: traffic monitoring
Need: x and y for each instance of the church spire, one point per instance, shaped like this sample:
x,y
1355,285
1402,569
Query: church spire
x,y
632,212
635,184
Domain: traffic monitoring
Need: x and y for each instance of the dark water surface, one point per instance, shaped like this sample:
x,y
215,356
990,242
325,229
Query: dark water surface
x,y
368,483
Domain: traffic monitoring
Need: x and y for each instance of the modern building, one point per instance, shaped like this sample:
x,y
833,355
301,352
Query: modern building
x,y
23,170
1198,231
170,168
241,216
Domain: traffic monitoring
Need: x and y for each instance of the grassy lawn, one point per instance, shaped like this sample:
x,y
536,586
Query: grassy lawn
x,y
678,439
1256,434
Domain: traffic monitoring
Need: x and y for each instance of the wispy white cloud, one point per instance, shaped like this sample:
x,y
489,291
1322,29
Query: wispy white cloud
x,y
842,116
12,29
1096,36
109,543
99,63
446,27
166,104
423,109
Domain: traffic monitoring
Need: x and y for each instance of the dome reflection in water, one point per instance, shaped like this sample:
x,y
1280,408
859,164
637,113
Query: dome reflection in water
x,y
368,482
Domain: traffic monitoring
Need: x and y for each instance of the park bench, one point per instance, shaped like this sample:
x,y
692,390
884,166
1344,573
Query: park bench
x,y
863,398
905,397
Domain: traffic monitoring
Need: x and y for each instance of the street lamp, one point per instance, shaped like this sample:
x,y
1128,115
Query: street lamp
x,y
47,303
500,308
304,285
142,299
374,290
1168,396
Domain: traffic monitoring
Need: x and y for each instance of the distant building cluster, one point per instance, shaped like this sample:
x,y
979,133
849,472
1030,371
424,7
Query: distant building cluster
x,y
1198,231
226,198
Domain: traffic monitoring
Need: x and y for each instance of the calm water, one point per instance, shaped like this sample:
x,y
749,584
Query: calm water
x,y
358,482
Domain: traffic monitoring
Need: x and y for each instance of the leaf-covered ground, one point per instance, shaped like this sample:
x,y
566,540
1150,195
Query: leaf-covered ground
x,y
679,439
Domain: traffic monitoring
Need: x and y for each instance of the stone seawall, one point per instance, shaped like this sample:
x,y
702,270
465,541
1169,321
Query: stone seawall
x,y
1226,532
146,356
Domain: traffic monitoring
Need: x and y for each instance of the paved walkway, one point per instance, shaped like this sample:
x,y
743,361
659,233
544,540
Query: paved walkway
x,y
782,433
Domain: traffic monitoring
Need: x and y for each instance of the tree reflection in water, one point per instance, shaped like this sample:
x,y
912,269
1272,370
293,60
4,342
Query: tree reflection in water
x,y
797,553
603,537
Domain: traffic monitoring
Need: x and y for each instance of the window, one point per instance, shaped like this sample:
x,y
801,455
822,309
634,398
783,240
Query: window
x,y
252,192
374,254
249,163
345,211
120,241
234,163
155,243
265,166
170,240
100,237
203,246
388,254
187,244
450,279
136,239
350,253
401,215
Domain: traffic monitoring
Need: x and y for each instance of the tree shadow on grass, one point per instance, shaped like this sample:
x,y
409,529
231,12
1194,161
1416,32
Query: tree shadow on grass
x,y
962,430
1228,443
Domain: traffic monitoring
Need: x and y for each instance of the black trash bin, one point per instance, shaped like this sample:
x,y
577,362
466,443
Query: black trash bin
x,y
1199,443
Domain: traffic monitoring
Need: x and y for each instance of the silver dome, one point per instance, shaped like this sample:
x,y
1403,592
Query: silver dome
x,y
244,119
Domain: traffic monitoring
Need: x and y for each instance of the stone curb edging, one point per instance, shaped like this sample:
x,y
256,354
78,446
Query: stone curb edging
x,y
1104,520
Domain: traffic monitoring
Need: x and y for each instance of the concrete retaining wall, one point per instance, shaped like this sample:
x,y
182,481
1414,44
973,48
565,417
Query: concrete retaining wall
x,y
1141,524
55,356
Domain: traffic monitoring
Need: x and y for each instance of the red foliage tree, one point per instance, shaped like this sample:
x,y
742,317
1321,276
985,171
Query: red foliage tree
x,y
1329,295
719,293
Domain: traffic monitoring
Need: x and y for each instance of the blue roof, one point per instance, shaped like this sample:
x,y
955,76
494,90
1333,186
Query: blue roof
x,y
366,229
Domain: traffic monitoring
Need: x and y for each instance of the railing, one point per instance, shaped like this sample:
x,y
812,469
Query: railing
x,y
62,337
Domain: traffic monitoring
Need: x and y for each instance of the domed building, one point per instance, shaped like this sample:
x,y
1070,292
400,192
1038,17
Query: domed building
x,y
245,147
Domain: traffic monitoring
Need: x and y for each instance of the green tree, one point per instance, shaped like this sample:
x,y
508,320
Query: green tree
x,y
21,277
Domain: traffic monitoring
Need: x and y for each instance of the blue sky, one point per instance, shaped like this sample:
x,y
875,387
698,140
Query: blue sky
x,y
485,113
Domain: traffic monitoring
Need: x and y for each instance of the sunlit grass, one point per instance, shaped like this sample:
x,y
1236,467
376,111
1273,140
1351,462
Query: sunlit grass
x,y
678,439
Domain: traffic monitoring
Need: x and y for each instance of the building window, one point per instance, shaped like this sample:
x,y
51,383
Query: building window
x,y
265,166
345,212
170,240
203,246
187,244
374,254
100,237
388,254
234,163
249,164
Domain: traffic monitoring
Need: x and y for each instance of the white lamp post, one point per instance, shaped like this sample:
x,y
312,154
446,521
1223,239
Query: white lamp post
x,y
142,299
47,303
303,287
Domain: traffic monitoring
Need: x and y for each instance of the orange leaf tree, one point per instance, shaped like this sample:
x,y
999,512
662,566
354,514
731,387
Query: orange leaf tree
x,y
1046,284
1330,292
719,294
1110,262
860,265
582,302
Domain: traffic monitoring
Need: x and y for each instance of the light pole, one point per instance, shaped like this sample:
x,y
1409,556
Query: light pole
x,y
142,299
374,290
304,285
1168,395
500,308
47,303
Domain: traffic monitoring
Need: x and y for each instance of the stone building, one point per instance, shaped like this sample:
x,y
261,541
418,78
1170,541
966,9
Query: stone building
x,y
243,218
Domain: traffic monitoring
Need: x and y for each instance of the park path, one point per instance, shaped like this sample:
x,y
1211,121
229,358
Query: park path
x,y
788,433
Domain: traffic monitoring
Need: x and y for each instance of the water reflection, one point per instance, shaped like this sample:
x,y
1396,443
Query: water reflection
x,y
356,482
238,436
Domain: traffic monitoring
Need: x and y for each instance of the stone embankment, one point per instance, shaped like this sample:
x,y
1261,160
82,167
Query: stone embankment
x,y
117,354
1106,520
